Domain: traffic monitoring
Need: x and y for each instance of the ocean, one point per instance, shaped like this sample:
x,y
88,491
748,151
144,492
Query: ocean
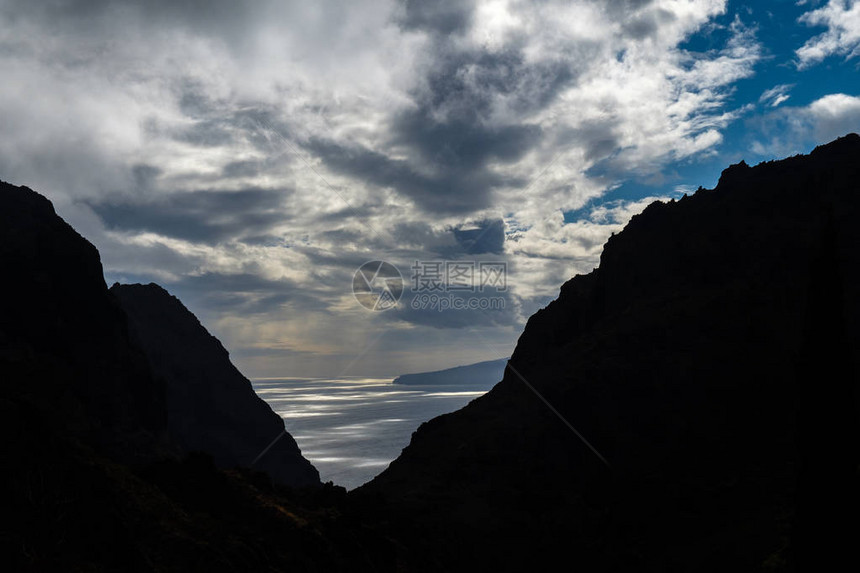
x,y
352,428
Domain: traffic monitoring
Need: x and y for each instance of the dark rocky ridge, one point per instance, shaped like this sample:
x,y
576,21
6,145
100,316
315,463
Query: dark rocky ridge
x,y
64,343
157,385
211,406
711,358
92,480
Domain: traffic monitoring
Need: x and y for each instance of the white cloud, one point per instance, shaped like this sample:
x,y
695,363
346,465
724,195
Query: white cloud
x,y
372,116
776,95
791,130
842,37
834,115
554,250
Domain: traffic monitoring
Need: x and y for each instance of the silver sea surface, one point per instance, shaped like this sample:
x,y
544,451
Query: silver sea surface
x,y
352,428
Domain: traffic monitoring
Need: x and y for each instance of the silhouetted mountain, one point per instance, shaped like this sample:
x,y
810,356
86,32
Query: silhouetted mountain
x,y
64,342
479,374
91,479
211,407
710,362
711,359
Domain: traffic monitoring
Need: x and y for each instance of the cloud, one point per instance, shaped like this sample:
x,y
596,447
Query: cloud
x,y
482,237
294,141
834,115
842,37
444,18
582,239
201,216
241,293
446,190
776,95
792,130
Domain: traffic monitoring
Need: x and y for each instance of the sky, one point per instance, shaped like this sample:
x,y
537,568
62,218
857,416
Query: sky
x,y
252,157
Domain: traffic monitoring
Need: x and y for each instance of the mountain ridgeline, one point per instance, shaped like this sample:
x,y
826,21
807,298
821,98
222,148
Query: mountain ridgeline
x,y
211,406
65,350
690,405
117,410
129,369
711,359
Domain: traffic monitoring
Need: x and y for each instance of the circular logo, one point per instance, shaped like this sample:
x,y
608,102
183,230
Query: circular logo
x,y
377,285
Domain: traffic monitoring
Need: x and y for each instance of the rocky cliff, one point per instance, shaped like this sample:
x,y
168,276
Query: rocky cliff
x,y
92,478
691,405
710,362
211,406
65,349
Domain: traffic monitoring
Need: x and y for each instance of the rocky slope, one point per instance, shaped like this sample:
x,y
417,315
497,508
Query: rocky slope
x,y
92,479
64,343
211,406
711,359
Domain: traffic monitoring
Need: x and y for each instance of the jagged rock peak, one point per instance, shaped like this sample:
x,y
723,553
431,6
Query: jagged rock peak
x,y
211,406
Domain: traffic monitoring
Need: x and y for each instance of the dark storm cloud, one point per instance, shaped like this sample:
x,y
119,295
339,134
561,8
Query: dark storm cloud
x,y
237,293
622,7
321,261
207,133
204,216
341,236
242,169
484,237
263,240
450,131
451,108
466,82
224,18
442,17
211,295
416,234
447,17
647,24
452,142
426,240
598,139
463,143
360,212
217,123
144,175
192,99
455,191
263,129
454,134
480,237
